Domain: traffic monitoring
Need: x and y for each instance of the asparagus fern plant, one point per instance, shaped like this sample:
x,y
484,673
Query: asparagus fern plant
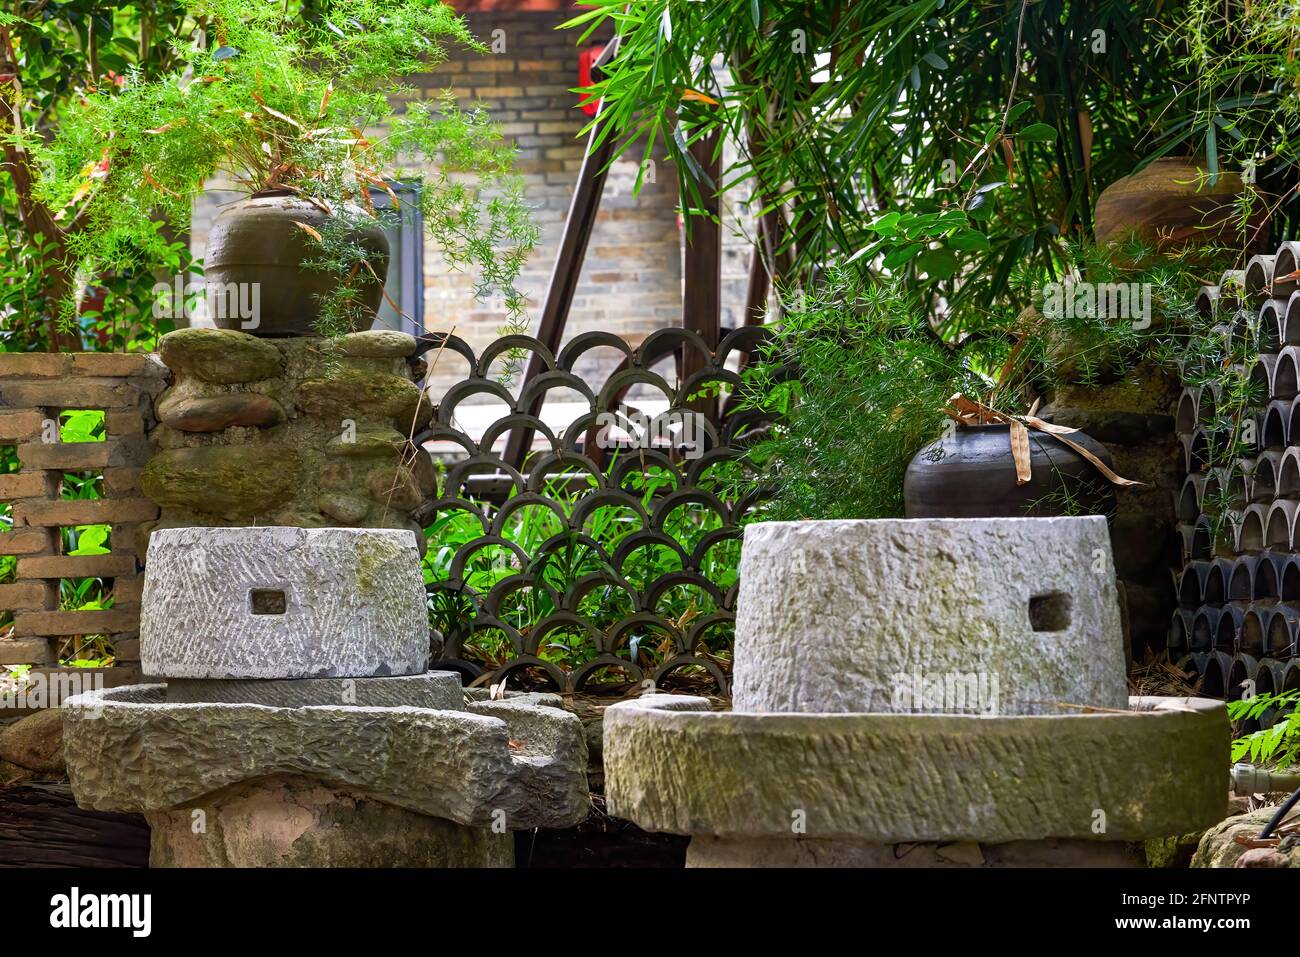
x,y
308,106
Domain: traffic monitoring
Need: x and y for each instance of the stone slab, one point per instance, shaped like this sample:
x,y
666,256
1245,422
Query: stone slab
x,y
673,765
865,616
435,690
352,605
295,822
128,749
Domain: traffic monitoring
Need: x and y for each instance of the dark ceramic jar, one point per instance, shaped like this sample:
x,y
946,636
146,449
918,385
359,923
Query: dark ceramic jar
x,y
258,240
972,475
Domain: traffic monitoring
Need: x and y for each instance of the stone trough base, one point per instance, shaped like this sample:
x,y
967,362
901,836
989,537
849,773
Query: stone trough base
x,y
289,821
707,851
328,772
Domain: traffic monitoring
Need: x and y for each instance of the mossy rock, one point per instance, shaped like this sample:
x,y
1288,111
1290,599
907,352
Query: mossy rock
x,y
220,355
240,479
394,487
378,443
351,393
344,508
378,344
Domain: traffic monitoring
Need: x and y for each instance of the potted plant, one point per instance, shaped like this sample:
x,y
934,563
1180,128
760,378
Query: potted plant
x,y
302,115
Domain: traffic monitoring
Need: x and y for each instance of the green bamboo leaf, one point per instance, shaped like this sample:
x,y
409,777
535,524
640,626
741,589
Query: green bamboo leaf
x,y
1038,133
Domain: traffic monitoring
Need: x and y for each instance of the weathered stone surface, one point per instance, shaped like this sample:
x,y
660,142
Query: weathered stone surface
x,y
436,690
1172,852
1219,849
378,344
348,509
378,443
351,393
705,851
394,486
854,616
672,765
294,822
244,480
11,774
1113,426
1263,857
35,742
350,603
219,355
127,749
213,414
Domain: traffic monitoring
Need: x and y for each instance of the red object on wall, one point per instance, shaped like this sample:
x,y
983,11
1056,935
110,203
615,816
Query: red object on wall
x,y
588,104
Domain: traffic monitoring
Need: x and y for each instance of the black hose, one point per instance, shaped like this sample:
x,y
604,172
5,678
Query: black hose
x,y
1281,813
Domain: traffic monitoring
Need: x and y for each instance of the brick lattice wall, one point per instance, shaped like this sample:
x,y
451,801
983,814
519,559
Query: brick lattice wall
x,y
34,390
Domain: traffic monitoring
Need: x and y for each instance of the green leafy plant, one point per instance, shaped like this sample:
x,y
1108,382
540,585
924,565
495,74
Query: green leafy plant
x,y
1010,115
306,107
1277,746
858,381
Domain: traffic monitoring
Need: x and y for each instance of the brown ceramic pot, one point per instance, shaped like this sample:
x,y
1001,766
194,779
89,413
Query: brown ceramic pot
x,y
973,475
257,240
1170,204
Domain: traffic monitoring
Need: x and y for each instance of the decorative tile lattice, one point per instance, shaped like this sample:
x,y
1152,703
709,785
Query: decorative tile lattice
x,y
612,554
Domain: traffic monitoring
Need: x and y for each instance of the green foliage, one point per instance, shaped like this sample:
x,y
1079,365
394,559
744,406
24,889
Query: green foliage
x,y
1239,105
300,106
1278,746
869,383
56,52
1013,115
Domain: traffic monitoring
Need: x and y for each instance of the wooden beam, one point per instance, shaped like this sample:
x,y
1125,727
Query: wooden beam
x,y
702,301
568,264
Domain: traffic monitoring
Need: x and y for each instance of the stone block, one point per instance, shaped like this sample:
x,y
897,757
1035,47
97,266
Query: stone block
x,y
473,769
241,480
277,602
1012,615
435,690
290,821
216,413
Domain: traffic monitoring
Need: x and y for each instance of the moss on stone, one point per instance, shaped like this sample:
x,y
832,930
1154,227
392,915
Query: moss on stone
x,y
219,355
239,479
351,393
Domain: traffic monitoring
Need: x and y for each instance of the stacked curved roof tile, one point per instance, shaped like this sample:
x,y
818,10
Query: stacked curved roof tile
x,y
1238,616
609,611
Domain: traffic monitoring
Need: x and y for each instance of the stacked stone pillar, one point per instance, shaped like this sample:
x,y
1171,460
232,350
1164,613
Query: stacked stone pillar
x,y
303,432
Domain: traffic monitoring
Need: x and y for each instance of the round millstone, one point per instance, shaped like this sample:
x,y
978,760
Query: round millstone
x,y
1153,770
961,616
280,602
435,690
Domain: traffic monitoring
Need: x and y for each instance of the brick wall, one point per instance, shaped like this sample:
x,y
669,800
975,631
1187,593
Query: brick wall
x,y
34,390
632,278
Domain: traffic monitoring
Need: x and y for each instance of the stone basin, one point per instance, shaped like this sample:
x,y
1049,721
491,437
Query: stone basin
x,y
673,765
482,768
926,692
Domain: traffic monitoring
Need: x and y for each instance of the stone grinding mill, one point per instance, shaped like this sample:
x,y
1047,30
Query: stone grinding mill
x,y
296,724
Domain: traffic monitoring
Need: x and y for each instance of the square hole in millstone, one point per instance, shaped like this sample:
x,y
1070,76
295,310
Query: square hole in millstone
x,y
267,601
1050,611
